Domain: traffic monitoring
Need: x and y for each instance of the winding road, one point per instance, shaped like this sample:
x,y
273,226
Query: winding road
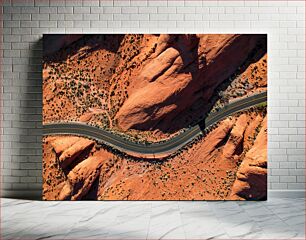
x,y
153,150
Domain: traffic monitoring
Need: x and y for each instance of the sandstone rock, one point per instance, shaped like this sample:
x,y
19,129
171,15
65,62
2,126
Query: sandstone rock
x,y
53,175
86,117
74,151
81,177
218,136
163,43
200,172
185,74
158,80
49,90
249,134
60,144
66,191
251,182
236,137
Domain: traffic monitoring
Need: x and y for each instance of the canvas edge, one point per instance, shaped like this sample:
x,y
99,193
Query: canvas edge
x,y
37,194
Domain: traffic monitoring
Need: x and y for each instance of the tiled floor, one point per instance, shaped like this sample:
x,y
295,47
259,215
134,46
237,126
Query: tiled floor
x,y
273,219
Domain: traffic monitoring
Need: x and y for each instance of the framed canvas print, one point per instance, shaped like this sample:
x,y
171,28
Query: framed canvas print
x,y
155,117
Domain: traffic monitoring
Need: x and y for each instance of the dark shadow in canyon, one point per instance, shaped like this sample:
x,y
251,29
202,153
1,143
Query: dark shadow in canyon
x,y
193,65
188,46
202,107
70,44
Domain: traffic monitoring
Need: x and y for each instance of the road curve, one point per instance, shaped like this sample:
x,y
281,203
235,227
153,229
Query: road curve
x,y
152,150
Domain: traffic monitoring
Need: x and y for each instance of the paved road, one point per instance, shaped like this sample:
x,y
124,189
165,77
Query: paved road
x,y
153,150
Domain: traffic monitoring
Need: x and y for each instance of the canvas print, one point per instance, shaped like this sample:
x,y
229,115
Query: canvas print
x,y
155,117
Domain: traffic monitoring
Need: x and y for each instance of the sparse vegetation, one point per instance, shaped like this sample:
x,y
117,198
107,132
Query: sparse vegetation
x,y
91,85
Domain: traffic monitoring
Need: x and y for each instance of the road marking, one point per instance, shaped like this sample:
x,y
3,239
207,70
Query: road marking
x,y
174,144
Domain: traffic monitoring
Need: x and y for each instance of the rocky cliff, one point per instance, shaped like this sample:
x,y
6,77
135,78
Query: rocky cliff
x,y
229,163
151,87
183,70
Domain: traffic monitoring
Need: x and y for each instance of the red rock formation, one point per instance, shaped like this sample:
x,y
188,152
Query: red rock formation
x,y
181,74
81,177
86,117
207,170
236,137
53,175
251,182
74,151
148,82
60,144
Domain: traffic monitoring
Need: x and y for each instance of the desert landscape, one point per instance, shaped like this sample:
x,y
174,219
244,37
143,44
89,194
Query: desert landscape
x,y
155,117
